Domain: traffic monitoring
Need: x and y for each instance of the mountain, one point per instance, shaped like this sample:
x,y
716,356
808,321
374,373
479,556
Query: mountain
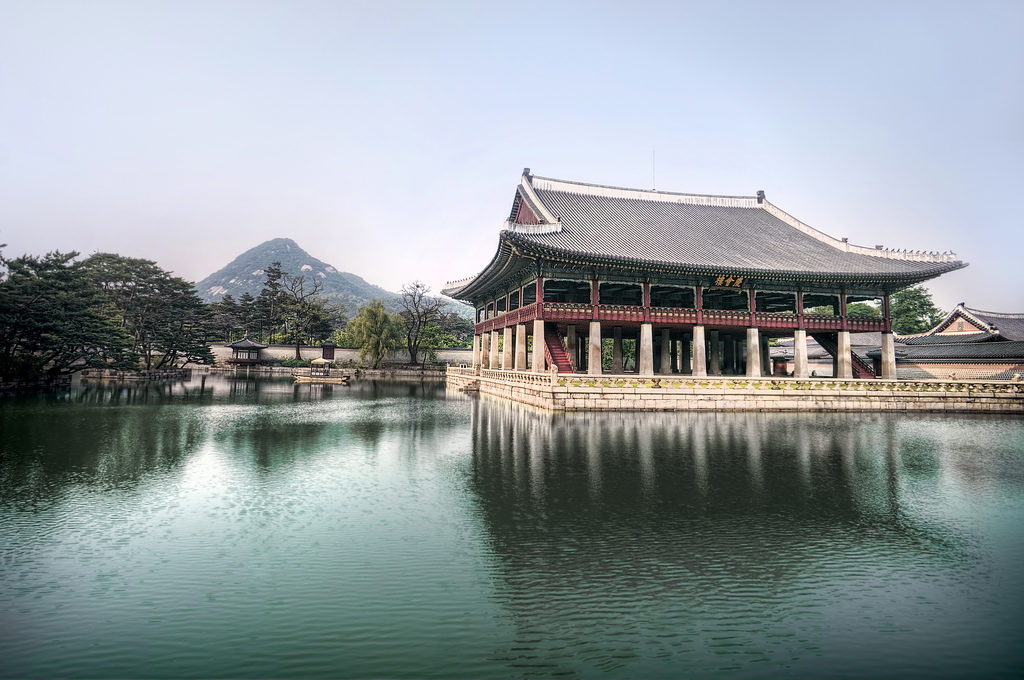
x,y
245,274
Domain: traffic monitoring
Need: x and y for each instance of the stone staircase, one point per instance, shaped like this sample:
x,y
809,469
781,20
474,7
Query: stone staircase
x,y
828,342
555,352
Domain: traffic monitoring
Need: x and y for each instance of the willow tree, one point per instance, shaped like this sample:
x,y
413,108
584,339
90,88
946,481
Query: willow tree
x,y
376,333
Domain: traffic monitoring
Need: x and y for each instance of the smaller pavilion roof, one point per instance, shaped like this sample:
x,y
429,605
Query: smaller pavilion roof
x,y
246,343
984,326
955,351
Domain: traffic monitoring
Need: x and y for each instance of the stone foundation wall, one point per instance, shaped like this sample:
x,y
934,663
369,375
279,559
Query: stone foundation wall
x,y
577,393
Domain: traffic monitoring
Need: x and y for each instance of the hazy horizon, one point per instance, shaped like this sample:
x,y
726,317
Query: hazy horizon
x,y
386,139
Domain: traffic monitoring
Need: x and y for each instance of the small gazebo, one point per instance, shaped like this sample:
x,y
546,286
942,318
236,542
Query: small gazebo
x,y
245,352
319,368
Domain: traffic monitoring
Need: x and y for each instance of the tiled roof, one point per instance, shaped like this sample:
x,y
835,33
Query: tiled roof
x,y
1010,326
945,339
246,343
743,234
961,351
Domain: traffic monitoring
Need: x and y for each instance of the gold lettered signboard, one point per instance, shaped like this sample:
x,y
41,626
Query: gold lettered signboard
x,y
729,281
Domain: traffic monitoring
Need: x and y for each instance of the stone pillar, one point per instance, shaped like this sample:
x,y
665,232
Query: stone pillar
x,y
494,350
753,353
570,345
730,355
888,357
646,350
766,357
538,345
684,357
617,350
485,350
594,355
506,350
674,347
520,364
715,358
800,369
476,351
700,360
844,364
666,356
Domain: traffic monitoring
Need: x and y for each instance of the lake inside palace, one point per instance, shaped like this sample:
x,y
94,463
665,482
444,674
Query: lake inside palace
x,y
239,528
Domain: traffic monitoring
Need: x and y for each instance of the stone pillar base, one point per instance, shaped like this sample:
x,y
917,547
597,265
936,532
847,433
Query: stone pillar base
x,y
888,357
700,357
800,369
646,350
753,353
538,345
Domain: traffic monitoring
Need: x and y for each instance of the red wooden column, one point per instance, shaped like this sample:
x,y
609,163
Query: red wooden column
x,y
886,314
753,307
595,294
698,301
647,302
800,309
842,310
540,297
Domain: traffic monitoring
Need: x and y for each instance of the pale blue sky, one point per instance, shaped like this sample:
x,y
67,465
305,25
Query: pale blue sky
x,y
387,138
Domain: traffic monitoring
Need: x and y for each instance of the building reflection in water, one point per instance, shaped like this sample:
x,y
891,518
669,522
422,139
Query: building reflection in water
x,y
625,535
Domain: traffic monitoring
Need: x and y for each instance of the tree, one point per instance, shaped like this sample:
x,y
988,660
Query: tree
x,y
308,316
375,332
418,311
913,311
458,327
53,321
165,318
862,310
226,316
269,303
247,315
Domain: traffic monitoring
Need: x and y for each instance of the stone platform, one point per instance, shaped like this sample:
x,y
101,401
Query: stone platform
x,y
575,392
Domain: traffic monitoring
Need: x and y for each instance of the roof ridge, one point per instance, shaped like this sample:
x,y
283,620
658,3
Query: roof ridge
x,y
1005,315
643,192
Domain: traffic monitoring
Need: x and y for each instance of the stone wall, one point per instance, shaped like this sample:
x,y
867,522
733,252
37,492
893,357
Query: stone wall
x,y
222,353
677,393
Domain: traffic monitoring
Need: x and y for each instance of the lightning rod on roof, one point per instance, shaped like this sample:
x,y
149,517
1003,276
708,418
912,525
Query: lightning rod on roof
x,y
654,183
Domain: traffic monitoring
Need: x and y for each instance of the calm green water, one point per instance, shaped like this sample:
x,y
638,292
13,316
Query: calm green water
x,y
246,529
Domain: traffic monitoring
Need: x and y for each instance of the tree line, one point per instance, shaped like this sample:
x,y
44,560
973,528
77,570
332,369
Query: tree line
x,y
291,310
59,314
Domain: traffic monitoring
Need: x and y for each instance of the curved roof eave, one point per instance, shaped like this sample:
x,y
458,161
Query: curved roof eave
x,y
500,264
898,278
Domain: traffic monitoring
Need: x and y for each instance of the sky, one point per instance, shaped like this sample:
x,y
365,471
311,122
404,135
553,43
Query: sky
x,y
387,138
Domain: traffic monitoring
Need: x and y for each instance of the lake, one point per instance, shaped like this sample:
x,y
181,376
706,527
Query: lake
x,y
241,528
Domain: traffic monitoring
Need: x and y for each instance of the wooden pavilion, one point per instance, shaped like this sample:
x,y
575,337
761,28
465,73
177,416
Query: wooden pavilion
x,y
245,352
698,283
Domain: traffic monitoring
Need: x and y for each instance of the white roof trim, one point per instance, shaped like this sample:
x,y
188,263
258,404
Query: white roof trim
x,y
849,247
532,228
545,184
545,214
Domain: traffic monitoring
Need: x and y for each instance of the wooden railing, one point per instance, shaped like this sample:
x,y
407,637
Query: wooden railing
x,y
631,314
